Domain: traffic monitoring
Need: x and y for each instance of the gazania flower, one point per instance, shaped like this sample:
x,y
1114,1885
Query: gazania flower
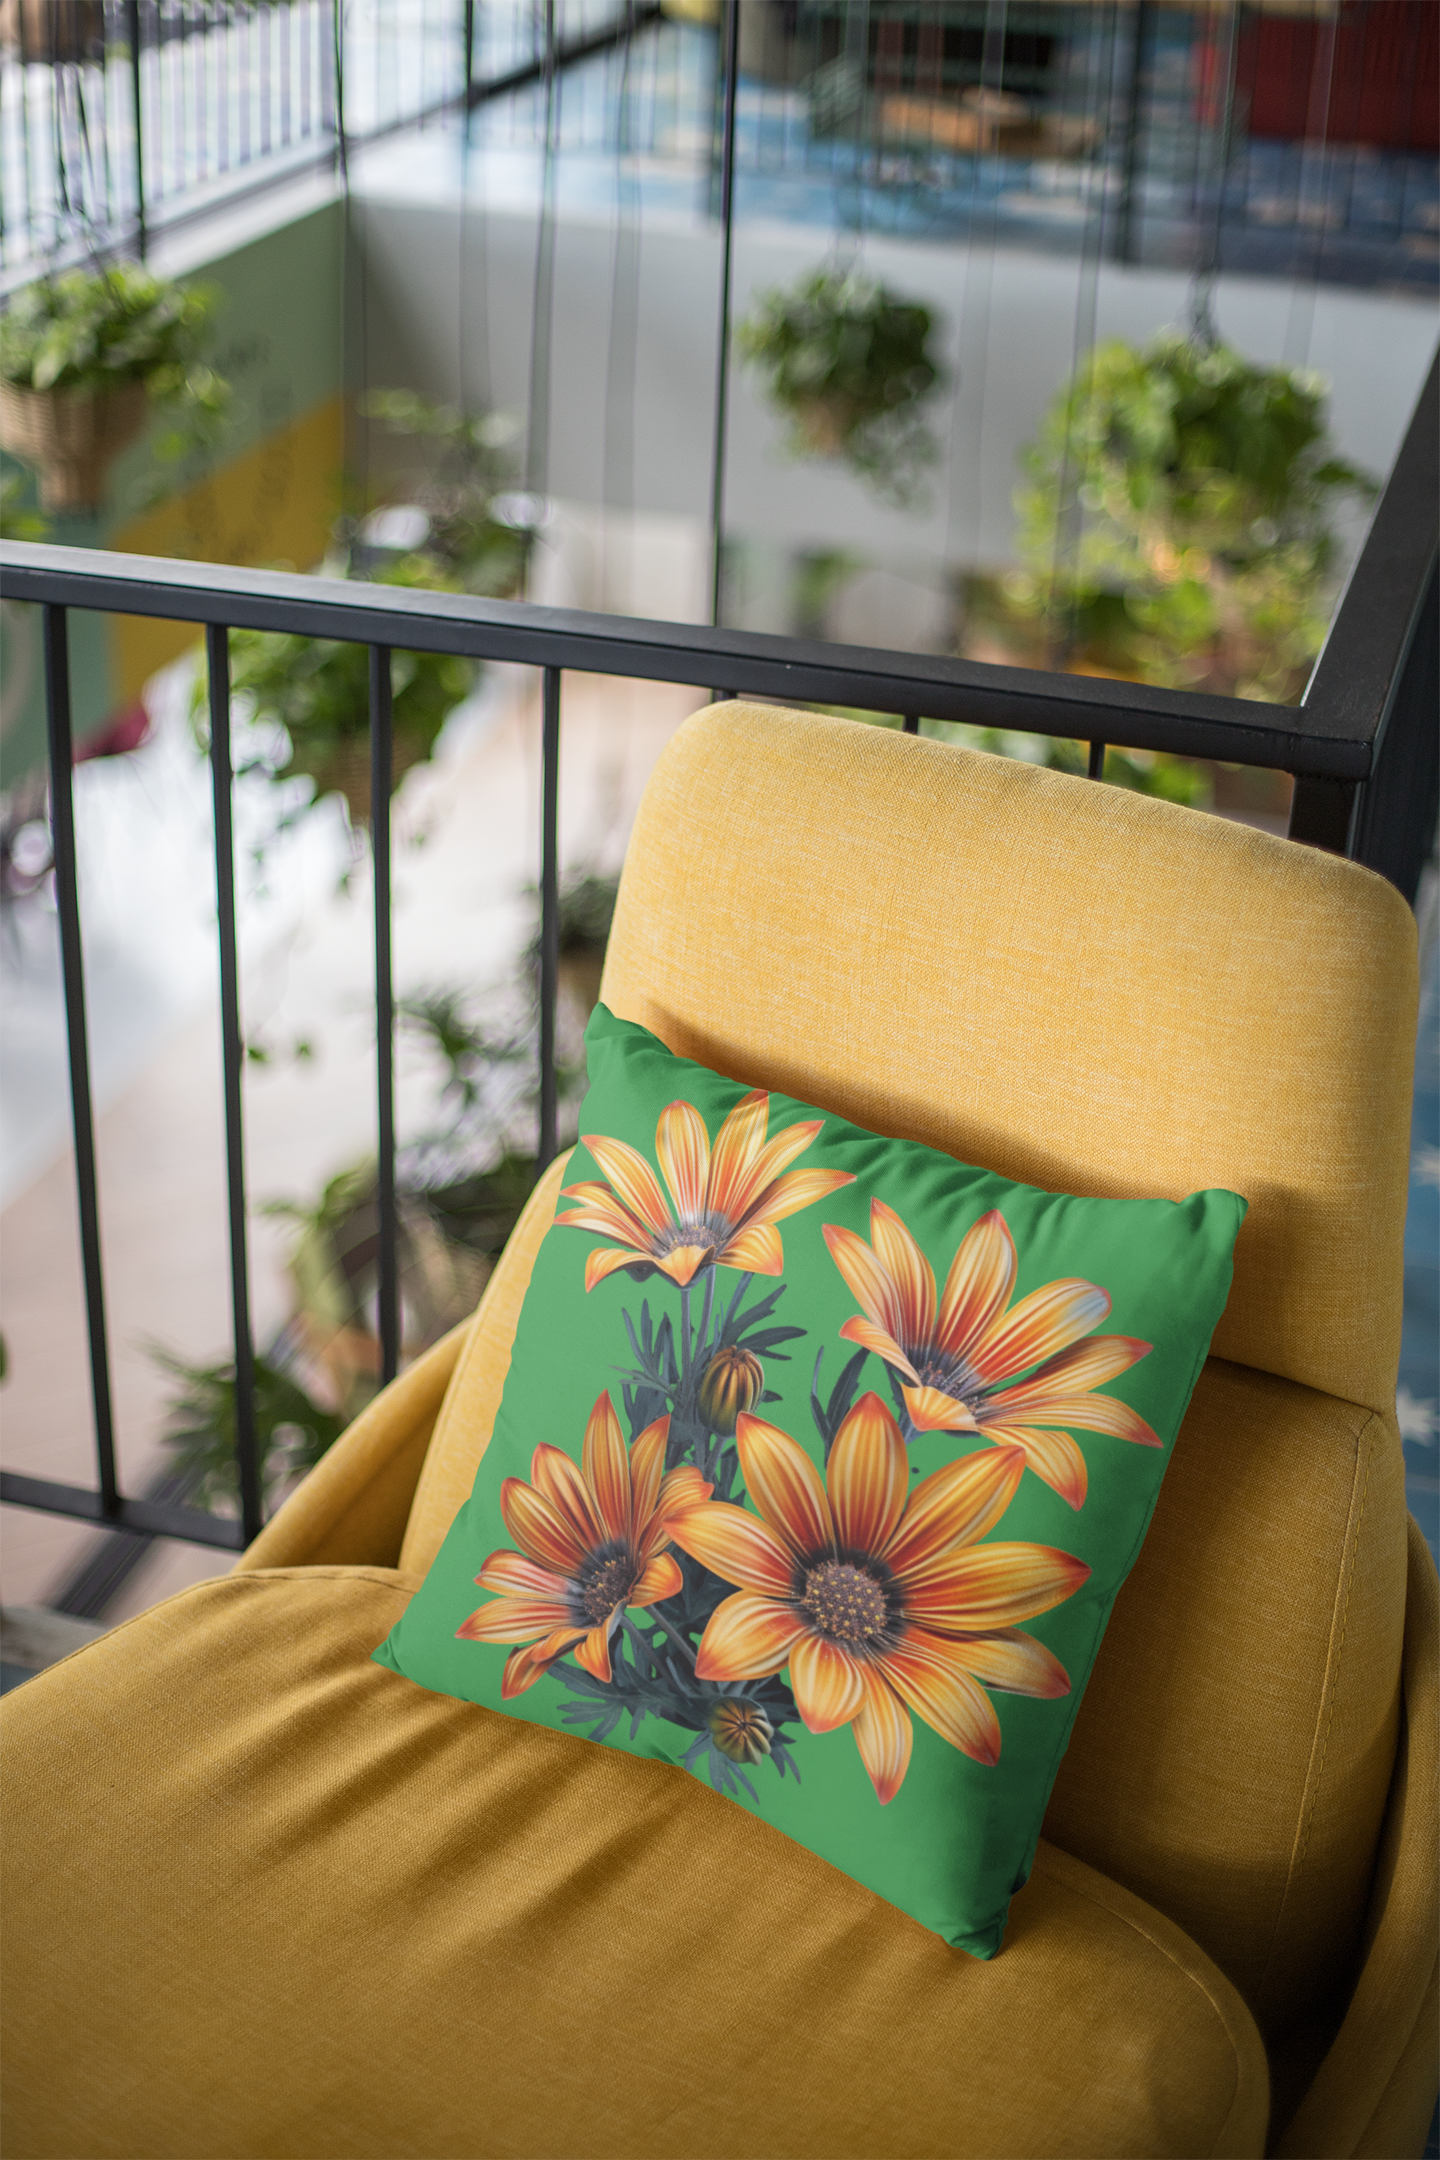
x,y
726,1203
964,1356
881,1600
592,1541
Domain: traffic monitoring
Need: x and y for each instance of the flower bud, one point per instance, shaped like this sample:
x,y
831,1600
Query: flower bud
x,y
741,1730
729,1387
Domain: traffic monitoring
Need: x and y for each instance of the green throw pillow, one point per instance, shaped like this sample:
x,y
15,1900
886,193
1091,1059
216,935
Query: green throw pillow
x,y
820,1461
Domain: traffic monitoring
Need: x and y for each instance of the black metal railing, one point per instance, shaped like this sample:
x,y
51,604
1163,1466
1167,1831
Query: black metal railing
x,y
1362,746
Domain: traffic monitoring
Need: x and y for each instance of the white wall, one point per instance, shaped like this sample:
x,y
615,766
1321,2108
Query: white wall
x,y
1014,322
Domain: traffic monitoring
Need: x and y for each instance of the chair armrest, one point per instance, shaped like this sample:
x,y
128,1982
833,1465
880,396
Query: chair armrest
x,y
1381,2069
353,1507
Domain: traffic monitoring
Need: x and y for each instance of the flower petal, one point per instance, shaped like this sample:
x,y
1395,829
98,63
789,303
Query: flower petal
x,y
682,1488
1053,1456
908,1269
647,1468
511,1571
735,1545
801,1189
777,1155
1092,1413
992,1586
539,1529
661,1578
633,1179
865,1277
954,1506
785,1486
747,1637
1087,1364
932,1410
730,1185
525,1667
683,1147
593,1650
871,1337
513,1619
756,1250
884,1736
600,1210
606,1462
826,1683
925,1674
1012,1660
684,1262
557,1479
606,1259
978,1287
1050,1319
868,1477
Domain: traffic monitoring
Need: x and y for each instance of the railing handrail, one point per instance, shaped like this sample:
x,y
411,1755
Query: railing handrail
x,y
1299,739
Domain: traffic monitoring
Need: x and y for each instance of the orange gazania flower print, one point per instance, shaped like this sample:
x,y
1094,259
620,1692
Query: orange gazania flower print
x,y
592,1541
970,1365
726,1201
882,1601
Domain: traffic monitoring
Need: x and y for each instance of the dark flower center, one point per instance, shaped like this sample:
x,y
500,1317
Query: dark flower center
x,y
952,1376
605,1584
844,1602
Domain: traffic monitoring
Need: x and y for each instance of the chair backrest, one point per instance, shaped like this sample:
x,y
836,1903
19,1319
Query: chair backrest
x,y
1099,993
1102,994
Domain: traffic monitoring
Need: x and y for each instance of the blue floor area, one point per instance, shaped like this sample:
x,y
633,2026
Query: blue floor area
x,y
1418,1395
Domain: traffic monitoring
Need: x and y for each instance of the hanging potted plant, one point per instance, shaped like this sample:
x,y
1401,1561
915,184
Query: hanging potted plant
x,y
82,359
847,361
53,31
318,691
1175,525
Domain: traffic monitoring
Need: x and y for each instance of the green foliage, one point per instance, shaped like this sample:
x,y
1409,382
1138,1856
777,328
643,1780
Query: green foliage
x,y
1175,523
19,519
318,689
848,362
466,542
94,329
291,1431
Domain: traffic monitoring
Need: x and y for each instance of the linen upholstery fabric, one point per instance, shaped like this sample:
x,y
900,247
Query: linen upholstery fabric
x,y
1375,2084
913,1675
327,1917
1080,988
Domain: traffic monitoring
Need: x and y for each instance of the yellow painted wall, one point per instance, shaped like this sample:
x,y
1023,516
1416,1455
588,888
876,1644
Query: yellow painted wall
x,y
274,505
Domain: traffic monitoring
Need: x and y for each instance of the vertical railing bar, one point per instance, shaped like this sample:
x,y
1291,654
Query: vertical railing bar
x,y
549,914
911,723
67,903
381,777
232,1050
730,53
132,32
1095,768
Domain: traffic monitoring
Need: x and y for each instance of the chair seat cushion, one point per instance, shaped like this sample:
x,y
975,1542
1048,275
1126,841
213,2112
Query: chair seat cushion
x,y
261,1901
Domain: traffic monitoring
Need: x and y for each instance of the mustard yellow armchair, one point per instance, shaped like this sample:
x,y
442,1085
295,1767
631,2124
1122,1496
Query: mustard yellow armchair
x,y
267,1900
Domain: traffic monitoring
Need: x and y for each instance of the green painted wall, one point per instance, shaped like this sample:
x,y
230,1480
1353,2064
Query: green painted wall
x,y
269,492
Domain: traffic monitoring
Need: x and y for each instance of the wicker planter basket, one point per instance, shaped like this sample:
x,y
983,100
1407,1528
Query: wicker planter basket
x,y
345,770
53,30
71,437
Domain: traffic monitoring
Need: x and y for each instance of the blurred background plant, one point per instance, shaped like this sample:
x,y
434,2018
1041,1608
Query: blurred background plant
x,y
85,356
1176,525
461,1185
452,507
846,360
316,693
